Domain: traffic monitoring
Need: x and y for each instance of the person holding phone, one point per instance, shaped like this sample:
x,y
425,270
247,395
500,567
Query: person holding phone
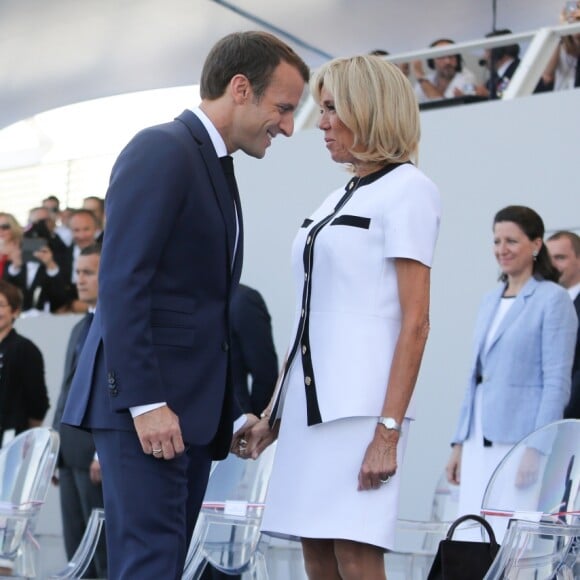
x,y
32,268
563,70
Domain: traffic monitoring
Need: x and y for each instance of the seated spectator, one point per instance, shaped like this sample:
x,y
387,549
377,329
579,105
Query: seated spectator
x,y
447,79
404,67
42,224
563,70
23,389
10,237
97,206
52,203
37,275
84,227
502,63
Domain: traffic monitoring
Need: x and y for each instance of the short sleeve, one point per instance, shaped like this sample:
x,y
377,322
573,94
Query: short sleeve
x,y
411,218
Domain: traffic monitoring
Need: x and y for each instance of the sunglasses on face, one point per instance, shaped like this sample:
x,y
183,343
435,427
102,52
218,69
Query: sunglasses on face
x,y
5,227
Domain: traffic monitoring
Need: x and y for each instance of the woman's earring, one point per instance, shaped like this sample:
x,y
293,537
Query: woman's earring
x,y
535,255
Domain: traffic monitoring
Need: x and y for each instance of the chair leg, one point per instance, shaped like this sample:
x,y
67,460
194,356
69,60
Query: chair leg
x,y
259,569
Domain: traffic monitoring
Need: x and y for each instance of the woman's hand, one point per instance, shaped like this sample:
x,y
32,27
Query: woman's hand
x,y
258,438
380,460
453,468
528,469
14,253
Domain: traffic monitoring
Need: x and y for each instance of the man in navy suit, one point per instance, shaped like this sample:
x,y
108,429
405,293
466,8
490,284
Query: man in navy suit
x,y
153,381
79,471
564,249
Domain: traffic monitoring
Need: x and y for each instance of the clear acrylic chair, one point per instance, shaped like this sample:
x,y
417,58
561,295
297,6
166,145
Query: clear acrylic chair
x,y
536,489
417,541
538,480
83,555
227,533
26,468
538,550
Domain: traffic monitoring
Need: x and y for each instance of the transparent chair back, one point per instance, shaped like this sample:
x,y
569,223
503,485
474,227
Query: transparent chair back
x,y
227,533
533,550
26,468
538,480
86,549
417,541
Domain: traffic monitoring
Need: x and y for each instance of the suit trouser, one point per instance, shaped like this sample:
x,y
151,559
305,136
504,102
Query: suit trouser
x,y
151,505
78,496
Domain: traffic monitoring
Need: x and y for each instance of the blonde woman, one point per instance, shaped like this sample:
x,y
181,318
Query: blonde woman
x,y
362,268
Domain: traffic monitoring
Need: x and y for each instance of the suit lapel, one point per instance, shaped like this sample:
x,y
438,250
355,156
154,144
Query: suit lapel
x,y
219,183
515,310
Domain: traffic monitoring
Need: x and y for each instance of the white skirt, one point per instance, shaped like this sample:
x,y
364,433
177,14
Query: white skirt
x,y
478,464
313,488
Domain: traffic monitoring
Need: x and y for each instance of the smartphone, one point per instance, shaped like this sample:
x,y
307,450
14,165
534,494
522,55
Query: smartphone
x,y
570,7
31,245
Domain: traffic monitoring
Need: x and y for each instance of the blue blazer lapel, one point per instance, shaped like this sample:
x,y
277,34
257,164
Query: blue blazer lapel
x,y
488,310
219,183
515,310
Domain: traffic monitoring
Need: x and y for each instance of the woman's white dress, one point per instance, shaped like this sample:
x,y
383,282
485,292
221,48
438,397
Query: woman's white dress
x,y
349,298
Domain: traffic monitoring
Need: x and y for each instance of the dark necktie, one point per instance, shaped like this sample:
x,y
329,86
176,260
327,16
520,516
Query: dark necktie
x,y
84,331
577,78
227,164
228,167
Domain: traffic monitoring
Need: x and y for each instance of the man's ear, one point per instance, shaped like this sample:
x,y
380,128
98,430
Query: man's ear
x,y
240,88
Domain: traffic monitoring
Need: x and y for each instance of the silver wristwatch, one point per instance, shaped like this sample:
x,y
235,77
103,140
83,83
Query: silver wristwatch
x,y
389,423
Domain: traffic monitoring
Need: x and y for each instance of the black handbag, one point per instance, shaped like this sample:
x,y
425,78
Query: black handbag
x,y
459,560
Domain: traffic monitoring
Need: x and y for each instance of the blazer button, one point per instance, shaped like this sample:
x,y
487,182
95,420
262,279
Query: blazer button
x,y
111,378
113,391
307,381
225,346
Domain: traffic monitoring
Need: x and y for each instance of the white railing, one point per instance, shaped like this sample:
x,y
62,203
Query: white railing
x,y
542,44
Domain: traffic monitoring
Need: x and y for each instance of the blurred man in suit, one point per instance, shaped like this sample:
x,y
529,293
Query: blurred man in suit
x,y
154,381
254,360
254,364
564,250
79,472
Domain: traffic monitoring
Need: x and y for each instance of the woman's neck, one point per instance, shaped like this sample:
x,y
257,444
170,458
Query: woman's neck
x,y
515,284
4,333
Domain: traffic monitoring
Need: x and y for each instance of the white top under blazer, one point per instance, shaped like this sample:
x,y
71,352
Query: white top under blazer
x,y
349,317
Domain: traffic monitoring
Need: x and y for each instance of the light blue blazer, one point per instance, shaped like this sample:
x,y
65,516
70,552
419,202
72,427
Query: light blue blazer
x,y
525,373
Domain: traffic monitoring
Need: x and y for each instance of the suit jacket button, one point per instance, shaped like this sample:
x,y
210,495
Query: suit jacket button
x,y
225,346
111,378
113,391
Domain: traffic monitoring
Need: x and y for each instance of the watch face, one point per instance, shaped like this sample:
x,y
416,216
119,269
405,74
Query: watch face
x,y
390,423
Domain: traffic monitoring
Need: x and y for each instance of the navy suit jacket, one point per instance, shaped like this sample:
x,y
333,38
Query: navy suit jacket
x,y
253,352
572,410
167,272
525,372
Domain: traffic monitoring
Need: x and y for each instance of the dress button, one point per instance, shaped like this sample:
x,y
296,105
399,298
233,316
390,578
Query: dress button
x,y
306,275
303,312
307,381
304,349
308,240
225,346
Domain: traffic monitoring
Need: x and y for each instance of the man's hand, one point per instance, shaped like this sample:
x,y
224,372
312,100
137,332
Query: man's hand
x,y
45,255
239,442
258,438
159,433
95,472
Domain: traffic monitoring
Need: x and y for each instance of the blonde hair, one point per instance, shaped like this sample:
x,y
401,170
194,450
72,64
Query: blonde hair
x,y
375,100
15,227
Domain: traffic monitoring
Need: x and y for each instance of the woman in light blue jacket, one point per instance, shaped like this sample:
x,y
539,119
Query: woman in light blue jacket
x,y
523,351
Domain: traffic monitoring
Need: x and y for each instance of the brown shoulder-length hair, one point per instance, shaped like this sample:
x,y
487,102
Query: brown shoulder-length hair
x,y
13,295
375,100
532,225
